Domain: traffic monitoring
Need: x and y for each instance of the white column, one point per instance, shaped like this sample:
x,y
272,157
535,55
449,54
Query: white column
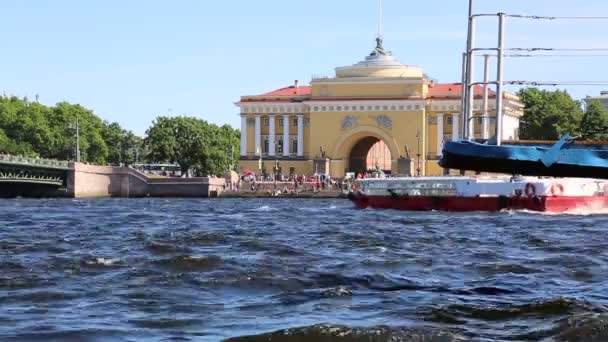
x,y
243,135
286,145
455,126
439,134
271,136
258,136
472,118
485,121
485,134
300,135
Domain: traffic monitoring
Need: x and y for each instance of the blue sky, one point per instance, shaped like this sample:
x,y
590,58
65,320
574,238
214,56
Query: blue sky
x,y
131,61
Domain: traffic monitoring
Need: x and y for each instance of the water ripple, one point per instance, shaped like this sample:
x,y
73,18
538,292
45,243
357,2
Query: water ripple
x,y
296,270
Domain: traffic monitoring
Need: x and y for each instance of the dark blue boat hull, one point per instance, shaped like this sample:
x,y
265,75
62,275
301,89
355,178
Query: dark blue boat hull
x,y
560,160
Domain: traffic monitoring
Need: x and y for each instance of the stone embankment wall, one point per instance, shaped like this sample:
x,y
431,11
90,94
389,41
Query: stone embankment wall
x,y
105,181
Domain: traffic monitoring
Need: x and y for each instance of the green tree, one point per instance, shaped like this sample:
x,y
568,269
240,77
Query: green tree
x,y
8,146
124,147
193,144
594,125
548,114
177,140
29,128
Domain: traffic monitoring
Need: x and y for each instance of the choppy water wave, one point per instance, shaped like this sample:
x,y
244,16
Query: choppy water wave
x,y
343,333
296,270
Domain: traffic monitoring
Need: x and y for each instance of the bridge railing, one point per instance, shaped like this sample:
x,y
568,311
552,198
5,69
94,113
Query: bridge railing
x,y
19,160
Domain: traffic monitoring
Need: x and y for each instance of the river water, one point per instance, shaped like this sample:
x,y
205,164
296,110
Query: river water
x,y
296,270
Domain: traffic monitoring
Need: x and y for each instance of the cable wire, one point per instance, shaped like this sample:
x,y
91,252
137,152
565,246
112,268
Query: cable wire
x,y
555,55
540,17
558,49
557,83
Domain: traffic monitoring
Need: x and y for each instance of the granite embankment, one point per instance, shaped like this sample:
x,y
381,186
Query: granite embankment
x,y
85,181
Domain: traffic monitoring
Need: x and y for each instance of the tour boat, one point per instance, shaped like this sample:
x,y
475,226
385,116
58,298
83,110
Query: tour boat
x,y
480,193
563,159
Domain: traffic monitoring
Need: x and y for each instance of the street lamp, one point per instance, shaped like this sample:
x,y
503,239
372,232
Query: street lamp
x,y
418,169
119,154
77,127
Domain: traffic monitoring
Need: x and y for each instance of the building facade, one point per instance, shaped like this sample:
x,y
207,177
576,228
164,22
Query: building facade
x,y
603,99
331,126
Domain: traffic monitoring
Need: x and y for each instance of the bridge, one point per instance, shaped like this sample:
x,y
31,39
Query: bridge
x,y
35,177
31,176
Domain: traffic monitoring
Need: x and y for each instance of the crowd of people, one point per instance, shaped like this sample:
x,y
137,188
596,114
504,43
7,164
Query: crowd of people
x,y
294,184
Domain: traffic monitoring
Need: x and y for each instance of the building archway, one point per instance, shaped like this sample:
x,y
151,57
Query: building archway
x,y
354,147
369,153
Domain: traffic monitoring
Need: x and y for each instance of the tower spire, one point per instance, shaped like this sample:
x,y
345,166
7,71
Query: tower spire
x,y
379,50
380,19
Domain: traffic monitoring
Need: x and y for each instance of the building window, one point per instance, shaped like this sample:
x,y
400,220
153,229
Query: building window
x,y
294,146
265,147
432,120
280,147
295,122
266,122
479,120
281,123
450,121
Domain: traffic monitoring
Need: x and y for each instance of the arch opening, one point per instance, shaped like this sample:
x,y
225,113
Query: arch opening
x,y
370,153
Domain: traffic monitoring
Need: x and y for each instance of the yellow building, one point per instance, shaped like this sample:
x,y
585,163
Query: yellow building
x,y
331,125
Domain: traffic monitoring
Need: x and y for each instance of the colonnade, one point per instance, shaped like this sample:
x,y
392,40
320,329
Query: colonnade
x,y
272,134
485,128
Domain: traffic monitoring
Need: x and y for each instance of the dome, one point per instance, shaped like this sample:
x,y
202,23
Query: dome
x,y
380,63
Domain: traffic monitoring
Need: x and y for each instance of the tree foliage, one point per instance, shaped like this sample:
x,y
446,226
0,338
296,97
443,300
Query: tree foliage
x,y
31,129
193,144
549,114
594,125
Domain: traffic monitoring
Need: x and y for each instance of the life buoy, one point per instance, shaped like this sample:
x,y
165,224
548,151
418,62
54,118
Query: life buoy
x,y
530,190
557,189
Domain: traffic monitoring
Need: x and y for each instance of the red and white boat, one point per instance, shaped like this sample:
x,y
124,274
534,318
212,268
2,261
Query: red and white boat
x,y
479,193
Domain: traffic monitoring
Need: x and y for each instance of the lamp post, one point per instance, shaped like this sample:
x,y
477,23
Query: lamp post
x,y
418,169
76,126
119,154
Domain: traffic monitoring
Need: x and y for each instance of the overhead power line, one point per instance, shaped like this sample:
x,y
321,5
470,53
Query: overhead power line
x,y
553,55
558,49
541,17
557,83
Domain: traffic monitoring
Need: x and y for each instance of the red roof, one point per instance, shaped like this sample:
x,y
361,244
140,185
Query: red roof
x,y
290,91
452,89
435,90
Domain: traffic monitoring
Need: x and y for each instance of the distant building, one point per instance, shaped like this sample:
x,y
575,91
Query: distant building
x,y
603,98
376,113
